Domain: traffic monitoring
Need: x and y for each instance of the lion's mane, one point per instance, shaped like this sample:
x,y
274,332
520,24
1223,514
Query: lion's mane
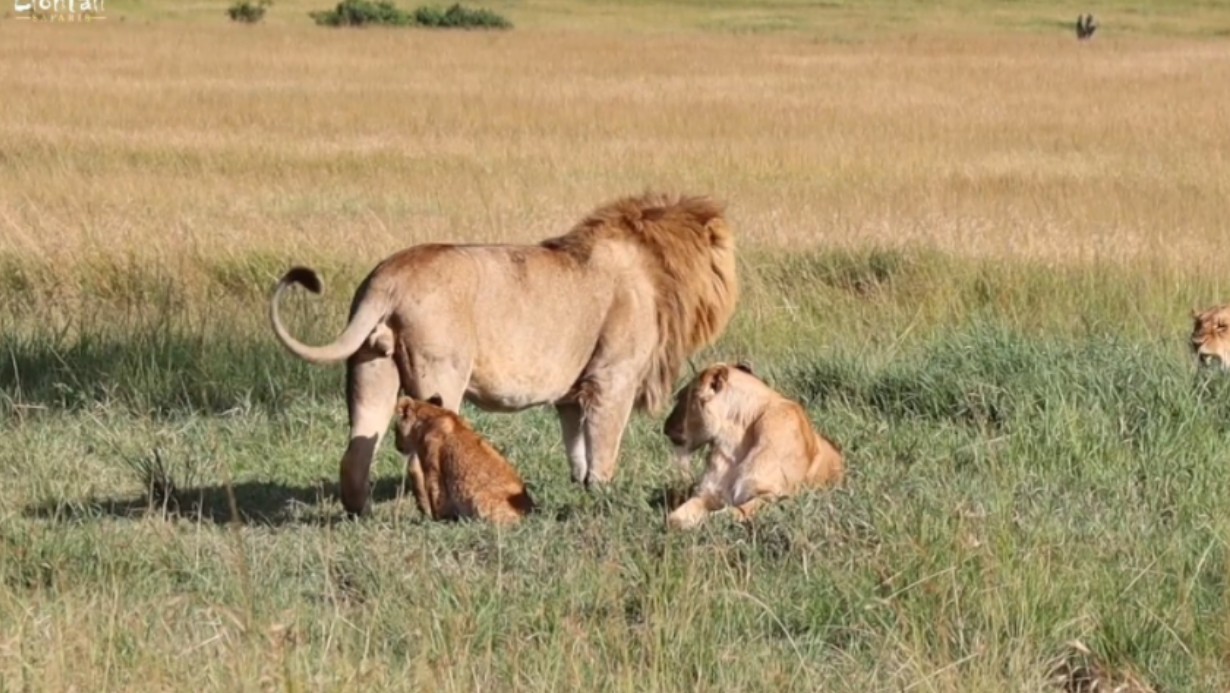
x,y
691,252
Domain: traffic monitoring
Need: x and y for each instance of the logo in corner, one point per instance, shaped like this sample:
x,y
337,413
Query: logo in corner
x,y
60,10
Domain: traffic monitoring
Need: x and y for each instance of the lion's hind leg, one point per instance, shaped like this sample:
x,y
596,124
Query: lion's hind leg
x,y
751,497
371,394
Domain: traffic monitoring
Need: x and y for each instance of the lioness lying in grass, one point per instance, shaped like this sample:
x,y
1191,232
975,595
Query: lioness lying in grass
x,y
761,445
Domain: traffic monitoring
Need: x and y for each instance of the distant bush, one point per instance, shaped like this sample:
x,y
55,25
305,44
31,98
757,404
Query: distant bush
x,y
382,12
361,13
247,11
458,17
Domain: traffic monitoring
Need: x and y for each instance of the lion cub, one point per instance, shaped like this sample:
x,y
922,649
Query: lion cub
x,y
457,473
761,445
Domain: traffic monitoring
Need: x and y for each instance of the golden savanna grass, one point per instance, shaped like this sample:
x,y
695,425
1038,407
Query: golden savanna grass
x,y
174,143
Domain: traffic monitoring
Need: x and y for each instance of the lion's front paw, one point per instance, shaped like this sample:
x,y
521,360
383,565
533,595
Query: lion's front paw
x,y
685,517
594,480
679,524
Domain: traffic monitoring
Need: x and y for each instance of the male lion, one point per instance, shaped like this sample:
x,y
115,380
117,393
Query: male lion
x,y
761,445
457,474
594,322
1210,336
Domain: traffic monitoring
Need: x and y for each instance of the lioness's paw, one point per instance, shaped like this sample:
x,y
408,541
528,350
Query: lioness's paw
x,y
682,521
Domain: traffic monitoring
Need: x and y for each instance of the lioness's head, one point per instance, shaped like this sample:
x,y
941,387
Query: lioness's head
x,y
1211,336
698,414
411,413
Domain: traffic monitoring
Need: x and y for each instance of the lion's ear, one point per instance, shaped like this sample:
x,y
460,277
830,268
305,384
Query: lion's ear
x,y
720,375
746,367
436,401
1195,313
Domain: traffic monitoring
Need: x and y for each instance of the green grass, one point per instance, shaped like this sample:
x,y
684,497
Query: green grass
x,y
1033,461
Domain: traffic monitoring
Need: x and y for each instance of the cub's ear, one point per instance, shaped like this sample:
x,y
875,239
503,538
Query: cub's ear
x,y
746,367
436,401
405,407
720,376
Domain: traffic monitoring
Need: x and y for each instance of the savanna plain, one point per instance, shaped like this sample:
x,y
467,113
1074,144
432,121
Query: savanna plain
x,y
968,244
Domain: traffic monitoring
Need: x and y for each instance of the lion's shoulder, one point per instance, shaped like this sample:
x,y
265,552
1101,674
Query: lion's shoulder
x,y
687,252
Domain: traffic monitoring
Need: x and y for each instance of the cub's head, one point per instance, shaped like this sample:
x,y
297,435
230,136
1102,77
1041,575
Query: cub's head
x,y
1211,336
412,414
701,408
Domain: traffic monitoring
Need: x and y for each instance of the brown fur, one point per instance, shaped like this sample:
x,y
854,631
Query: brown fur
x,y
596,322
1211,336
761,445
455,472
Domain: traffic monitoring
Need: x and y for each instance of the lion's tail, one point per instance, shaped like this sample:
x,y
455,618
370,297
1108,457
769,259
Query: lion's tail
x,y
370,314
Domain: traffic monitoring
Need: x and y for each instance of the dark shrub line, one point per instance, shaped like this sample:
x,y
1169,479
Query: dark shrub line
x,y
247,11
384,13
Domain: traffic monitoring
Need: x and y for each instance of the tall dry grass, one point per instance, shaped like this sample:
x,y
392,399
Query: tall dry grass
x,y
176,144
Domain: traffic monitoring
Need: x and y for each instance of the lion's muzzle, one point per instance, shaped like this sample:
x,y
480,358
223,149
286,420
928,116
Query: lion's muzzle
x,y
1206,353
673,429
1210,360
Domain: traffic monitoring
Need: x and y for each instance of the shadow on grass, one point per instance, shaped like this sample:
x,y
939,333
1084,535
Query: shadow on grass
x,y
275,504
257,502
157,372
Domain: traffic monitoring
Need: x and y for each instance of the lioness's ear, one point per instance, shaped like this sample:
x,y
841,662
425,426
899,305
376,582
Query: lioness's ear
x,y
436,401
746,367
720,376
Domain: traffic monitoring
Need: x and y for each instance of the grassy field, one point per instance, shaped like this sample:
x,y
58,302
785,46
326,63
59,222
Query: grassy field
x,y
829,20
968,243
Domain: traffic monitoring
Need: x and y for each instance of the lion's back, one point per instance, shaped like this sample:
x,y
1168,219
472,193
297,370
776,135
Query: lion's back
x,y
828,465
650,279
820,461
